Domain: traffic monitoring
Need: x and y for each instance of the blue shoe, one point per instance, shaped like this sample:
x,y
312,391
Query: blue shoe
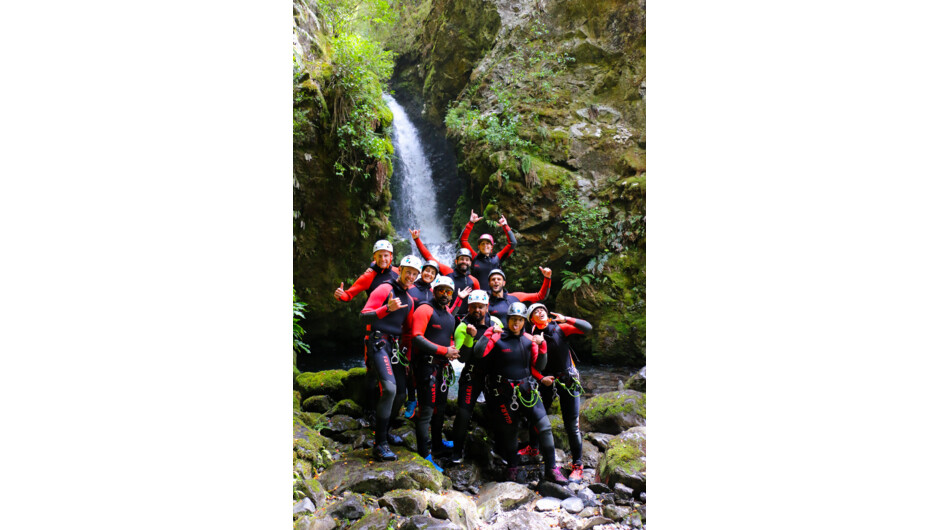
x,y
410,408
433,463
448,444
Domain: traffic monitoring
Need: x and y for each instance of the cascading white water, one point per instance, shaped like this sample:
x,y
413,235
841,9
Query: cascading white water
x,y
416,206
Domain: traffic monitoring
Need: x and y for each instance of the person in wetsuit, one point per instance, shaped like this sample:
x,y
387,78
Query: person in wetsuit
x,y
389,311
484,261
500,300
378,272
472,377
460,273
561,378
433,333
420,292
512,358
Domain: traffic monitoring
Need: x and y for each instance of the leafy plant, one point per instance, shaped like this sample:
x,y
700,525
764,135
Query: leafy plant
x,y
299,345
572,281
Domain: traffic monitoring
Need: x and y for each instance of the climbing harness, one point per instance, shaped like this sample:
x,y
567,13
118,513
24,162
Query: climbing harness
x,y
450,377
527,403
574,390
399,354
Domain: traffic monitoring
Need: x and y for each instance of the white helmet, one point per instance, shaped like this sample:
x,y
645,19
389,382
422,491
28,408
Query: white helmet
x,y
478,296
382,244
446,281
516,309
411,261
432,263
532,309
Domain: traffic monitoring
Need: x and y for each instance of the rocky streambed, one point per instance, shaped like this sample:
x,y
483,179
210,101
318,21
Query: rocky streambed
x,y
337,484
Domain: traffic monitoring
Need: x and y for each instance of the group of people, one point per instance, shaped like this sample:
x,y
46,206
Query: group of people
x,y
424,314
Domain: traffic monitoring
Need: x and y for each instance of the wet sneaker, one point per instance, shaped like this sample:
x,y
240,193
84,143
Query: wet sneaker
x,y
433,463
411,408
557,476
394,439
383,452
447,443
577,470
529,451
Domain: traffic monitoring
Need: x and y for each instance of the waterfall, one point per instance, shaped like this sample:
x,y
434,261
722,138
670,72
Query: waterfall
x,y
417,189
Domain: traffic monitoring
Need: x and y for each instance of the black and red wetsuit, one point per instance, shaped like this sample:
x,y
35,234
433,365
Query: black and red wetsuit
x,y
472,377
511,362
480,265
421,291
387,343
561,366
433,333
461,281
369,280
499,306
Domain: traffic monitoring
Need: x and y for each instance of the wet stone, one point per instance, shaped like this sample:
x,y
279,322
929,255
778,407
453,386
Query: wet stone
x,y
588,496
572,504
351,507
623,492
590,511
346,407
304,505
550,489
338,424
594,521
546,504
617,513
601,440
404,502
318,404
599,487
424,522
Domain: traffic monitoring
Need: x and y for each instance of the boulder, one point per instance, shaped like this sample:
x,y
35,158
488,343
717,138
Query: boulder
x,y
338,424
455,507
638,381
314,420
346,407
625,462
318,403
352,506
598,487
588,496
359,473
498,497
304,505
589,454
594,521
572,504
313,490
616,513
546,504
588,512
424,522
324,383
314,449
613,412
310,522
550,489
466,477
374,520
522,519
404,502
601,440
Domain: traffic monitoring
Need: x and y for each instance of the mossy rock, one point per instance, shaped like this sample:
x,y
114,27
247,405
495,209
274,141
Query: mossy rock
x,y
358,472
404,502
297,404
624,462
314,449
355,386
613,412
558,432
347,407
314,420
380,519
318,404
327,382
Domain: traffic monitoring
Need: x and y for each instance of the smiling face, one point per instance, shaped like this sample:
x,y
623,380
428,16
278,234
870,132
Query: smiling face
x,y
515,324
428,274
407,276
497,282
485,247
442,295
477,312
463,264
383,258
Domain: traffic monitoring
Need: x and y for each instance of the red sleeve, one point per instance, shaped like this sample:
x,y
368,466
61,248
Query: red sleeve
x,y
421,318
465,240
536,351
476,283
408,331
535,297
507,250
569,329
445,270
361,284
424,250
377,301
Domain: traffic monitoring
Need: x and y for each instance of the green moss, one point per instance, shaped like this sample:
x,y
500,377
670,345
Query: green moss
x,y
327,382
622,456
613,403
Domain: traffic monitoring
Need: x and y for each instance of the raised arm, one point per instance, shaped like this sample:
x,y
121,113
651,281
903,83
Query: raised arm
x,y
571,325
426,254
465,235
362,283
507,250
543,292
539,357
